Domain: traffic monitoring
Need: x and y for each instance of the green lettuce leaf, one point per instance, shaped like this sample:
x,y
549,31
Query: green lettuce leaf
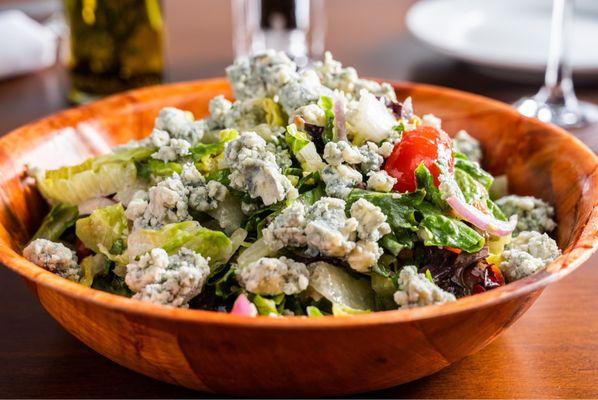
x,y
313,311
207,155
425,181
95,177
274,114
172,237
105,231
152,167
473,168
59,219
328,105
296,139
92,266
408,212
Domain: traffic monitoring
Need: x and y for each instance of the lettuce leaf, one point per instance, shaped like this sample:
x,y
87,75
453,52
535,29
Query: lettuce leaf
x,y
95,177
152,167
408,212
274,114
93,266
59,219
172,237
473,168
296,139
328,105
206,155
340,287
105,231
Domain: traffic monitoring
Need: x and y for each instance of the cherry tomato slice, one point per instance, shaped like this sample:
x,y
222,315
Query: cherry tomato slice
x,y
425,144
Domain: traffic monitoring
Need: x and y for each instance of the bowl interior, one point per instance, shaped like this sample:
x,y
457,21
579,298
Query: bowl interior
x,y
538,159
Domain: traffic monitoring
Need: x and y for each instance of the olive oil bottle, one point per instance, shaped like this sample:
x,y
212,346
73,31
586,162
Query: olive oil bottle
x,y
115,45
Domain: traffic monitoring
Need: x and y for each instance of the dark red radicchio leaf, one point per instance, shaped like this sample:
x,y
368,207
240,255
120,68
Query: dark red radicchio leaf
x,y
316,132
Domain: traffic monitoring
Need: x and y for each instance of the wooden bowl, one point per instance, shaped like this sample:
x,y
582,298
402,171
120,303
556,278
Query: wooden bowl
x,y
297,356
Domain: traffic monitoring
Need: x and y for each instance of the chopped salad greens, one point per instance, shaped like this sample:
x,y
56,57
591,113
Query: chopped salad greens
x,y
314,193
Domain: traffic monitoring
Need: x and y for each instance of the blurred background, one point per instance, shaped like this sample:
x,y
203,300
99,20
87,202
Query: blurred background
x,y
496,48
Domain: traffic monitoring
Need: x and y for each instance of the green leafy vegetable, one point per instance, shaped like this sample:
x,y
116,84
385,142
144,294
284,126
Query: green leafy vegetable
x,y
425,181
152,167
438,230
409,212
112,284
92,266
473,168
206,156
339,310
172,237
328,105
394,245
313,311
102,229
96,177
274,114
429,276
265,306
384,290
296,139
59,219
341,287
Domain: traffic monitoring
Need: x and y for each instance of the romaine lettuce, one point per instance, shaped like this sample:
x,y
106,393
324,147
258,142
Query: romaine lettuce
x,y
92,266
274,114
105,231
59,219
96,177
206,155
172,237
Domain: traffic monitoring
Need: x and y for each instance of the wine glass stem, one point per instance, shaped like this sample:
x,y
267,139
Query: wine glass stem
x,y
558,82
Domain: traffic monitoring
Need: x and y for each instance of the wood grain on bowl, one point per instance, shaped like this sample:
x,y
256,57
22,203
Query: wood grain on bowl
x,y
294,356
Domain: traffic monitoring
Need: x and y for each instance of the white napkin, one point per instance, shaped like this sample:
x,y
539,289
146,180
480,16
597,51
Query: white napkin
x,y
25,44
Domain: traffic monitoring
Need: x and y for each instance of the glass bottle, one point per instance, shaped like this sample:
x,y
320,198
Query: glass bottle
x,y
115,45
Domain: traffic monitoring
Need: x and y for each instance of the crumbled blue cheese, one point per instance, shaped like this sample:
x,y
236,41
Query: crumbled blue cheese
x,y
415,290
288,228
173,151
244,114
335,153
301,92
340,180
180,125
380,181
255,170
328,230
364,256
168,280
167,202
207,197
219,108
372,160
432,120
273,276
468,145
528,253
385,149
261,75
532,214
371,220
334,76
55,257
311,114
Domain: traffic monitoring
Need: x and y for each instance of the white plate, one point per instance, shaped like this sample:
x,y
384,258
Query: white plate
x,y
504,34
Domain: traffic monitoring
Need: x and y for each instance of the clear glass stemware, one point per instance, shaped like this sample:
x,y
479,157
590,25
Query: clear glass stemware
x,y
556,101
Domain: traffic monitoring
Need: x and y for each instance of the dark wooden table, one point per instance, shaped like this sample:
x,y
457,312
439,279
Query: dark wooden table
x,y
551,352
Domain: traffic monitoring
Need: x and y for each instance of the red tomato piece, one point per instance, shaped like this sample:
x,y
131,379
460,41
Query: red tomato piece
x,y
425,144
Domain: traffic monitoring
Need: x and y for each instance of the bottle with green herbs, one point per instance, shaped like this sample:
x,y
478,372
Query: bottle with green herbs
x,y
115,45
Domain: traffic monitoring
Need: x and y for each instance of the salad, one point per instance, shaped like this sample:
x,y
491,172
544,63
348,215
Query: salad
x,y
314,193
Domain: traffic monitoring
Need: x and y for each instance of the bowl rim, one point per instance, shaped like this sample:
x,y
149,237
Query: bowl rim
x,y
571,259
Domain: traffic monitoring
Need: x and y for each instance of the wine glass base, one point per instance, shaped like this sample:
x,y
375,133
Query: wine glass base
x,y
559,114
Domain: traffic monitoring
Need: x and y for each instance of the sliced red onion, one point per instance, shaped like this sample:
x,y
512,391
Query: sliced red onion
x,y
480,220
243,306
339,116
90,205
